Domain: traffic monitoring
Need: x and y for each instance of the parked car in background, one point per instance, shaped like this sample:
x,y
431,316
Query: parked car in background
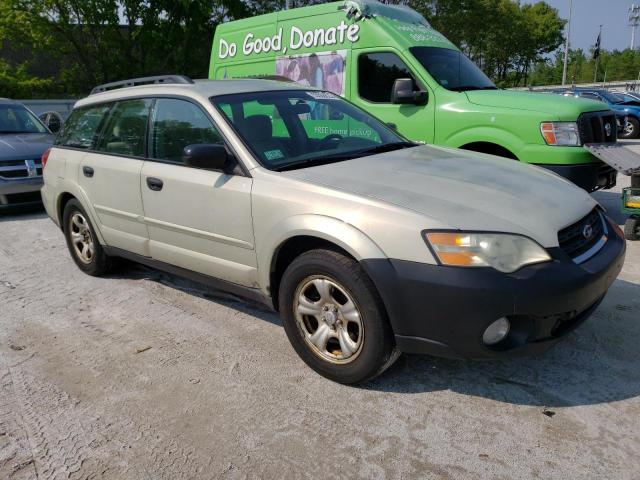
x,y
23,140
366,243
622,104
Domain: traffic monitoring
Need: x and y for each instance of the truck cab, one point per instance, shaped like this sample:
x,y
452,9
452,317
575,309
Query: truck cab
x,y
388,60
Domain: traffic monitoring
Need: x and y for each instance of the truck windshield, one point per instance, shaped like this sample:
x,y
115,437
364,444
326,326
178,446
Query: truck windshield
x,y
17,119
294,129
451,69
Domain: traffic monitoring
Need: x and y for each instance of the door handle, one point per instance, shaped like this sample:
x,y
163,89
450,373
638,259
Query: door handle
x,y
88,172
154,184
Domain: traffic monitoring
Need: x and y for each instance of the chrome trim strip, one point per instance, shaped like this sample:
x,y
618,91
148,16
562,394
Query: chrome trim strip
x,y
597,247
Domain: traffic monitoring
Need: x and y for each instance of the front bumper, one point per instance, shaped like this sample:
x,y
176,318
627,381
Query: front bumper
x,y
588,176
444,311
20,192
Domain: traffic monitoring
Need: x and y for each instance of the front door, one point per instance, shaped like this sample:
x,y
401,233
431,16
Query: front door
x,y
197,219
376,70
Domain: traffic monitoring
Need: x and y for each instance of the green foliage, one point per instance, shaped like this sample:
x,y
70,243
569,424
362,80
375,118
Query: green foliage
x,y
615,65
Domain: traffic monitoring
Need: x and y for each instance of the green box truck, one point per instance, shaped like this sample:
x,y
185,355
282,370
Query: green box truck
x,y
388,60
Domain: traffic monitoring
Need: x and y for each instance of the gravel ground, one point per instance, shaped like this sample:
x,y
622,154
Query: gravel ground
x,y
142,375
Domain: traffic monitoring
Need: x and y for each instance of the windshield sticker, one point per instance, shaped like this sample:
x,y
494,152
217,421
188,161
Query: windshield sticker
x,y
324,70
298,38
273,155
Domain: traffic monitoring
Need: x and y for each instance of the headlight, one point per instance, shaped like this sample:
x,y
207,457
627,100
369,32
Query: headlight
x,y
560,133
506,253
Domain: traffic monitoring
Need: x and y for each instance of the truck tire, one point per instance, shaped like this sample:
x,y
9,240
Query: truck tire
x,y
632,228
631,128
334,317
82,242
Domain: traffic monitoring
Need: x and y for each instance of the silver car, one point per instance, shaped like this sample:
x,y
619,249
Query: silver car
x,y
23,140
367,244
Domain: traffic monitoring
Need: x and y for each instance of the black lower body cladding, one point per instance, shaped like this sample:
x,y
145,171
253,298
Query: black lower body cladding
x,y
444,311
588,176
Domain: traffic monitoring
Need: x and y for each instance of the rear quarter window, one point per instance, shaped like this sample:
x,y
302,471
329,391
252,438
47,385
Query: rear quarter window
x,y
82,128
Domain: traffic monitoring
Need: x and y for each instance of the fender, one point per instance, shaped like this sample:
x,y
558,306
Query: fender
x,y
486,134
333,230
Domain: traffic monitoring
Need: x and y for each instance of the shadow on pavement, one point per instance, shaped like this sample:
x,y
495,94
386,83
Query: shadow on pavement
x,y
23,213
612,201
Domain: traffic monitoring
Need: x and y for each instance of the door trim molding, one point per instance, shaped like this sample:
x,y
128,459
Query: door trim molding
x,y
198,233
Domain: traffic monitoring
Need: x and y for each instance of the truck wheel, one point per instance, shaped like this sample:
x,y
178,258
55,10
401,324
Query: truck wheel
x,y
82,242
334,317
631,128
632,228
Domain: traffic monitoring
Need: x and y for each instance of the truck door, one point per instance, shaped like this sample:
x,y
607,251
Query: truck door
x,y
374,72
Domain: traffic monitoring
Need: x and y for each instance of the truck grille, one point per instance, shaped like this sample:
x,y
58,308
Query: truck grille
x,y
13,169
577,239
593,127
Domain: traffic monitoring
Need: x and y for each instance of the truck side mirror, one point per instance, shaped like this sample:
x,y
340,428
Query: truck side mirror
x,y
405,93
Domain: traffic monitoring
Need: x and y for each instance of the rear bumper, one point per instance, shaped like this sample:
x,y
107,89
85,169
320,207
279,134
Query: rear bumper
x,y
444,311
588,176
20,193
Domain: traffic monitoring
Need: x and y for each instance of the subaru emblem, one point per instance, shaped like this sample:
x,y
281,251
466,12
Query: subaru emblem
x,y
587,232
607,129
32,171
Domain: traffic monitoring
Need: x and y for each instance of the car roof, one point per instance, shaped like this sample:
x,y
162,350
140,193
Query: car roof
x,y
199,89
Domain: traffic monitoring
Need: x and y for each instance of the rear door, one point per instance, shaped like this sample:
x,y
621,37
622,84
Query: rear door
x,y
110,176
197,219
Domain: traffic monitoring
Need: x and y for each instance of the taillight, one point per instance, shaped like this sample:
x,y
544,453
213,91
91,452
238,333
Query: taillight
x,y
45,157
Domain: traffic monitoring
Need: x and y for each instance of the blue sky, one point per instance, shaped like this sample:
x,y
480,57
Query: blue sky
x,y
589,14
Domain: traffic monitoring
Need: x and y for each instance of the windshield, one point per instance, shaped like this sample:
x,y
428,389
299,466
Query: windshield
x,y
297,129
451,69
17,119
612,97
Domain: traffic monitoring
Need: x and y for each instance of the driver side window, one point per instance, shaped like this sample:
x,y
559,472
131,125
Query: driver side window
x,y
177,124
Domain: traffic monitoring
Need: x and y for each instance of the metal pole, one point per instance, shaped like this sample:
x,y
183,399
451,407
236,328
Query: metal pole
x,y
633,37
287,4
567,45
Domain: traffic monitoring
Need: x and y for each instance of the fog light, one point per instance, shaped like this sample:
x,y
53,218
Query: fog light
x,y
496,332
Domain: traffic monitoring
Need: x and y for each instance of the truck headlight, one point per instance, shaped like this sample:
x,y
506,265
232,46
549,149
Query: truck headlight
x,y
560,133
504,252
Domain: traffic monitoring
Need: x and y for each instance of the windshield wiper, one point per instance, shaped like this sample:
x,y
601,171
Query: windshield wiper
x,y
324,160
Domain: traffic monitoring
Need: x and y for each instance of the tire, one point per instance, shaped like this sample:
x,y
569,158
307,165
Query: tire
x,y
632,229
80,235
334,317
631,128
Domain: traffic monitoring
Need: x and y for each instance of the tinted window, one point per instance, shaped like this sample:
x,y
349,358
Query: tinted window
x,y
177,124
451,69
590,95
289,129
377,72
17,119
82,128
126,129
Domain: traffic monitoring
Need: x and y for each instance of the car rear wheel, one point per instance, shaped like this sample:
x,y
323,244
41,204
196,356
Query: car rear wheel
x,y
335,318
631,128
82,242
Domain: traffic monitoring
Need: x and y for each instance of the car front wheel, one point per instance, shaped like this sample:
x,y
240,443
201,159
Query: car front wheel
x,y
631,128
335,318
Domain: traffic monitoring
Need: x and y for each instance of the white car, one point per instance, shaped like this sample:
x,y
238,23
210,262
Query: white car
x,y
368,245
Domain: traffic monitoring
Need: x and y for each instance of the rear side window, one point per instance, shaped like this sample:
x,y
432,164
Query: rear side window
x,y
377,72
82,128
177,124
126,130
590,95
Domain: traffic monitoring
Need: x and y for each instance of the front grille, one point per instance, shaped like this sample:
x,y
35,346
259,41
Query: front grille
x,y
13,169
593,127
573,240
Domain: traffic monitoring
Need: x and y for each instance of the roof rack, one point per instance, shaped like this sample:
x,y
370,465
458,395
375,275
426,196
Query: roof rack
x,y
175,79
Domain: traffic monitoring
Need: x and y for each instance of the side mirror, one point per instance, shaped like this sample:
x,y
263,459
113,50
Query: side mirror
x,y
52,120
404,93
208,156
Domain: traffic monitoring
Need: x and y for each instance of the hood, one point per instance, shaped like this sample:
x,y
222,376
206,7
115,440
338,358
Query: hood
x,y
18,146
464,190
556,106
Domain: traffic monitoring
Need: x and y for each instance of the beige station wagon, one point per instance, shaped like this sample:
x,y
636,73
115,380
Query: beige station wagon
x,y
367,244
